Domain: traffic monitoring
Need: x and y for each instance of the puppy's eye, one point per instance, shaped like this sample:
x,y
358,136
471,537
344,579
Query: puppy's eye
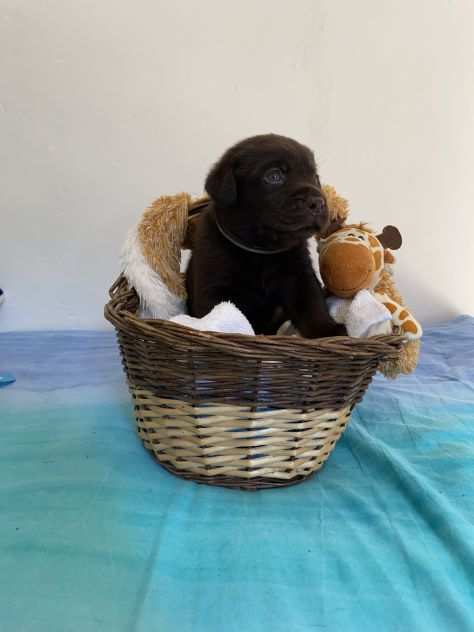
x,y
274,176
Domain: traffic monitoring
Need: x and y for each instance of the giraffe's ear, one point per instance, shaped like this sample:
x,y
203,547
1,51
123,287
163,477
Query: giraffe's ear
x,y
390,238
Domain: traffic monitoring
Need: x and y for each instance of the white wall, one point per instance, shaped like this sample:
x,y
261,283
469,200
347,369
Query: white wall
x,y
105,104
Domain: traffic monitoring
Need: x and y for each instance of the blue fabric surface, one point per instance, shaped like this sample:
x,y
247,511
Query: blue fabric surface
x,y
95,536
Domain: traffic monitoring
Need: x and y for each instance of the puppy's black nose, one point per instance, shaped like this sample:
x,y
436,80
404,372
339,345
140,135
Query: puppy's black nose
x,y
314,203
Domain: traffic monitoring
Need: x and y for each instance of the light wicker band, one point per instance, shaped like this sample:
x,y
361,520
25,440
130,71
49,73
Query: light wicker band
x,y
236,441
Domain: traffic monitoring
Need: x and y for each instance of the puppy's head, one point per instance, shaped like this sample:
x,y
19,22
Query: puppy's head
x,y
267,187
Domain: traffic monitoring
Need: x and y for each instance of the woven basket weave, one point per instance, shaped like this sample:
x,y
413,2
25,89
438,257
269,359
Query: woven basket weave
x,y
240,411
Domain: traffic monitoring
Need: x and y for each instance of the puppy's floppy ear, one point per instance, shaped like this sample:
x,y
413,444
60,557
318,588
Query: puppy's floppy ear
x,y
221,185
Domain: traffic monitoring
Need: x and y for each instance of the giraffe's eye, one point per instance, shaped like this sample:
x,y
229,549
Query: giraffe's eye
x,y
360,237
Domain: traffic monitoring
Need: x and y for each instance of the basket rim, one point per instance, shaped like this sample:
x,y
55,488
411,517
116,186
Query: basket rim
x,y
266,347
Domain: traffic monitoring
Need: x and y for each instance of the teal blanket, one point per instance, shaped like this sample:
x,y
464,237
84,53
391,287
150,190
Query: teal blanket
x,y
94,536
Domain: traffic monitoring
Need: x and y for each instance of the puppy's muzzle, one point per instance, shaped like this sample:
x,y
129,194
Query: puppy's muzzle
x,y
311,204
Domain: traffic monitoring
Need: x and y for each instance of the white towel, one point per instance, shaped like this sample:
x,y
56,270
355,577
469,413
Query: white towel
x,y
224,318
363,315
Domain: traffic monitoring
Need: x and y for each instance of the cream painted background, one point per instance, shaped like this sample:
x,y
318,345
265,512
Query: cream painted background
x,y
106,104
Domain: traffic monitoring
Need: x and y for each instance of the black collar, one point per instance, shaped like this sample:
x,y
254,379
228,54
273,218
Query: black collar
x,y
239,244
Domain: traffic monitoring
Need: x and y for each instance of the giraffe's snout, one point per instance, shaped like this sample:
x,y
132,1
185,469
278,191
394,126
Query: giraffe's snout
x,y
346,268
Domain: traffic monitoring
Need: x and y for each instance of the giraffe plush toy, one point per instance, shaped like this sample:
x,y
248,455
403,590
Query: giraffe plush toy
x,y
353,276
352,262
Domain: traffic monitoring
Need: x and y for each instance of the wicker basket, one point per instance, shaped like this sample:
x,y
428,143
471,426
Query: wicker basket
x,y
240,411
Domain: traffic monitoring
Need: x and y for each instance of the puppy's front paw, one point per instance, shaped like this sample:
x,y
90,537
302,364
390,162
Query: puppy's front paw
x,y
326,330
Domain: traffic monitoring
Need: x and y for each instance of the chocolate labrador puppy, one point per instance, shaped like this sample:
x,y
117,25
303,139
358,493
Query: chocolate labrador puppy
x,y
250,244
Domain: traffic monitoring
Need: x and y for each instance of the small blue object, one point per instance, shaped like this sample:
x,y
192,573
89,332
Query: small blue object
x,y
6,378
